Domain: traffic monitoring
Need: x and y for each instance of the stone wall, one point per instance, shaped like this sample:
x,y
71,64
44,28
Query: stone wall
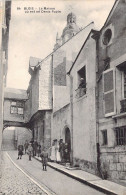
x,y
41,125
45,84
61,120
113,163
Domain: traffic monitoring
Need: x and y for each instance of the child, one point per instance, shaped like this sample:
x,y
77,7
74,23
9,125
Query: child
x,y
20,151
44,156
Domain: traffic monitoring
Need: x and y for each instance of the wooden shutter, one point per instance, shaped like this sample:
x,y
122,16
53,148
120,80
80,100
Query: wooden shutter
x,y
109,92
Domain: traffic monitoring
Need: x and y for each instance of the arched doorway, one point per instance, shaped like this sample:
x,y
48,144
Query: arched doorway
x,y
68,143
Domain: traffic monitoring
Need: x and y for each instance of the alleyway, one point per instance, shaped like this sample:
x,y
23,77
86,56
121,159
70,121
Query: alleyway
x,y
14,181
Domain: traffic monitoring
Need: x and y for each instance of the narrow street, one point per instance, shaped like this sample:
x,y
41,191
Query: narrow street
x,y
14,181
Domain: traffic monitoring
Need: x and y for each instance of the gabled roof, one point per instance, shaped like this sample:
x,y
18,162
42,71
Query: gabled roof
x,y
17,94
92,31
111,12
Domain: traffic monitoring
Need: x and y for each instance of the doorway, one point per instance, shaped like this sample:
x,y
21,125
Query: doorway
x,y
68,142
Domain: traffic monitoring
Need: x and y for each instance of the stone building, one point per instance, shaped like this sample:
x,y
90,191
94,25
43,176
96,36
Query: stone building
x,y
82,77
69,31
48,106
14,103
14,124
38,107
63,57
5,15
111,92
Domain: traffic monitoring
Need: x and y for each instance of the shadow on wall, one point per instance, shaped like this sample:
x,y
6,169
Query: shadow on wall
x,y
13,136
21,135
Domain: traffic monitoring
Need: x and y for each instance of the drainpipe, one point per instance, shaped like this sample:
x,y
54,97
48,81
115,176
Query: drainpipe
x,y
71,116
96,38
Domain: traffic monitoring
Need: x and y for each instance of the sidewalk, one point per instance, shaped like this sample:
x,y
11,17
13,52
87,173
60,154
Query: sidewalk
x,y
90,179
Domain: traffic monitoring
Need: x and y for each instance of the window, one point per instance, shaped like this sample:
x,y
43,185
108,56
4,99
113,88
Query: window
x,y
17,107
124,83
120,133
81,90
107,37
20,111
104,136
109,92
13,110
123,100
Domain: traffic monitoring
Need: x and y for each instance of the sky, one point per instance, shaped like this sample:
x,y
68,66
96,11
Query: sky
x,y
34,34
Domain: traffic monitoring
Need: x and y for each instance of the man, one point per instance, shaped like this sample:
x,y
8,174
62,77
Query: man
x,y
82,83
44,156
26,146
30,150
35,145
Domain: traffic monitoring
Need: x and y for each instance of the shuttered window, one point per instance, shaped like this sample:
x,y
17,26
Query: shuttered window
x,y
109,92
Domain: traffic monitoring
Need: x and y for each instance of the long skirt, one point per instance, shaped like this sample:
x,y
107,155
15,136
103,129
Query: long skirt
x,y
53,154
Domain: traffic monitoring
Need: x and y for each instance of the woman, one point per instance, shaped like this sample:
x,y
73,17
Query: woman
x,y
53,152
58,158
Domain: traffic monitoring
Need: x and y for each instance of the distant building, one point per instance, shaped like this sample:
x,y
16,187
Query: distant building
x,y
69,31
14,105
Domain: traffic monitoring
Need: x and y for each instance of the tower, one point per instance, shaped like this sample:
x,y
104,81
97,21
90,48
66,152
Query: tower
x,y
68,32
71,28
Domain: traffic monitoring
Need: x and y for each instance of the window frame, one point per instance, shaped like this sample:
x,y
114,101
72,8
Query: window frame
x,y
113,90
16,106
123,87
119,138
104,143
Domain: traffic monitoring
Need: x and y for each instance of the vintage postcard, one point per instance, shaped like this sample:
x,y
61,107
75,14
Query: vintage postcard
x,y
63,97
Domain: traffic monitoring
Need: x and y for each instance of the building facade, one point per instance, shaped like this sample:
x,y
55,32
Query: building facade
x,y
111,82
5,15
38,107
82,76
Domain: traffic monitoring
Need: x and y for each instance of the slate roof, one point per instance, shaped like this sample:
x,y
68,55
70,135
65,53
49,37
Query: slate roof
x,y
18,94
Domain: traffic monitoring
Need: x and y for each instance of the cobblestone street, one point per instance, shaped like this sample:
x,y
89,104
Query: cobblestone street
x,y
13,181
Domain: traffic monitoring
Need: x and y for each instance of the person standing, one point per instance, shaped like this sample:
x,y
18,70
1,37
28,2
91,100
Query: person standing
x,y
35,145
20,151
44,156
30,150
39,149
58,158
61,150
53,152
26,146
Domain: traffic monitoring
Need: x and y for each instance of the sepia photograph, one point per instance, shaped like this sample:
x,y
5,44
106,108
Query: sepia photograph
x,y
62,97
